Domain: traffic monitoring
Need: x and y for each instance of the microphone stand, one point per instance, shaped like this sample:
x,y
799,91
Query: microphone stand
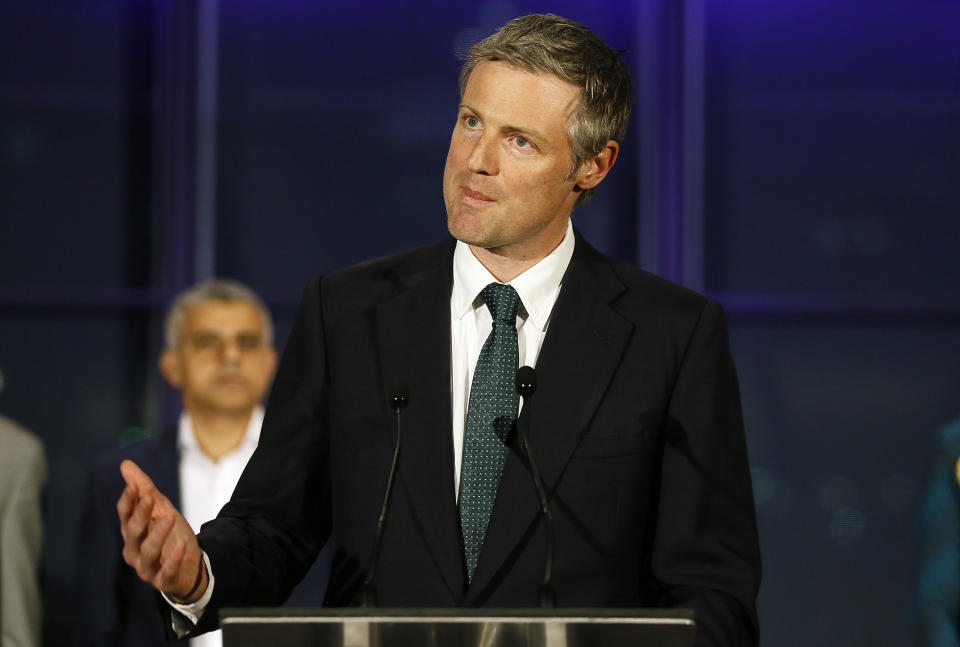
x,y
526,386
368,596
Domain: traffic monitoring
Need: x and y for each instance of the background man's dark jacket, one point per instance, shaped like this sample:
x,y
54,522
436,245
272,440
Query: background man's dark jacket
x,y
636,427
119,609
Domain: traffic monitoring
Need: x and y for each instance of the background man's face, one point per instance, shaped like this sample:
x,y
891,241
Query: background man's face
x,y
505,181
223,363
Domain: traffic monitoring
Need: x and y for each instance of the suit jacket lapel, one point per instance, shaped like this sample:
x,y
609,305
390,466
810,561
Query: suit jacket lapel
x,y
414,336
582,348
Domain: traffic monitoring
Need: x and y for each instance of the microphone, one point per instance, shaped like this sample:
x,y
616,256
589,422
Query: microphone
x,y
526,386
397,400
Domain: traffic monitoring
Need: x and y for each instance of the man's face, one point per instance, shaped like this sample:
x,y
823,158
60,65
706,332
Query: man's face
x,y
505,182
223,364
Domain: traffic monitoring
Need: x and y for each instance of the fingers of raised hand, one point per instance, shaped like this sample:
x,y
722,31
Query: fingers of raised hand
x,y
126,503
158,542
162,506
137,524
135,476
148,559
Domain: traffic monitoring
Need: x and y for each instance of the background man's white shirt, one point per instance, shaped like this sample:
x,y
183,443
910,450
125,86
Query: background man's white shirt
x,y
206,485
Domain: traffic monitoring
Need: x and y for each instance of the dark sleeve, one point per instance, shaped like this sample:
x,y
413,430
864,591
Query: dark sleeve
x,y
937,601
100,559
706,552
266,538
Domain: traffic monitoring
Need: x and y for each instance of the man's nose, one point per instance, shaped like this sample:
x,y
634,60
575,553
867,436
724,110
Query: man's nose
x,y
230,352
484,156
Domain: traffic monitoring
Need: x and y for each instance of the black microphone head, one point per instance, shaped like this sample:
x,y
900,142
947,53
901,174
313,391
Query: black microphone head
x,y
398,395
526,381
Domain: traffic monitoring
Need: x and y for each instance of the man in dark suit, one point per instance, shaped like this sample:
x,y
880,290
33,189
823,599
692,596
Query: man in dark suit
x,y
219,354
636,422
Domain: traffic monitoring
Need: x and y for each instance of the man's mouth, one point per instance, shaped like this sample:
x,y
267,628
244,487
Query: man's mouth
x,y
475,196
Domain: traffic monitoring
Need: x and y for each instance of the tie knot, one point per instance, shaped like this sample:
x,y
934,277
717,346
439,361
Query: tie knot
x,y
502,301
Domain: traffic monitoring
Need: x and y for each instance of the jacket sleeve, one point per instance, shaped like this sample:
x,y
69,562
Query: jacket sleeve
x,y
269,534
706,553
937,596
21,534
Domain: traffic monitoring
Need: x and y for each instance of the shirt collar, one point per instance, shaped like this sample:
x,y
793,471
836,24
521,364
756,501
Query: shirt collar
x,y
187,441
537,286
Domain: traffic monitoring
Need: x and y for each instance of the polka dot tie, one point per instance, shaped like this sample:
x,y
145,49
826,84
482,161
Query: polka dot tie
x,y
490,416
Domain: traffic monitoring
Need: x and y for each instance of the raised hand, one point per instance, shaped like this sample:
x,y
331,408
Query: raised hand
x,y
157,541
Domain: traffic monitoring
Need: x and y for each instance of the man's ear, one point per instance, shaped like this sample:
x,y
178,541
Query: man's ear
x,y
169,365
593,170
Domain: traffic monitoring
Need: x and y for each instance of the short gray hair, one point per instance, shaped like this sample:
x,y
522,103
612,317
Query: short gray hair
x,y
570,51
213,290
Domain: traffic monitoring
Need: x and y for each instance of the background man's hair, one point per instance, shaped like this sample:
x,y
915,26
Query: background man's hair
x,y
570,51
214,290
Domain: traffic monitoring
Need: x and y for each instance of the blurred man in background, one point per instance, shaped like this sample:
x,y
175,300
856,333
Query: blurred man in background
x,y
219,353
23,474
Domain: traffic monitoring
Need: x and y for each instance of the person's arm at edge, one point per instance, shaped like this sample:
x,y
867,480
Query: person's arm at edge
x,y
937,588
21,551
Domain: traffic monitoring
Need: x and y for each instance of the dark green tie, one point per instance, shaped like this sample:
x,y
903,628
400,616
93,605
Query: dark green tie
x,y
490,415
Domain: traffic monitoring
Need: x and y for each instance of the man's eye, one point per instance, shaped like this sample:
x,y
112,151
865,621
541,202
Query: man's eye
x,y
248,342
205,341
522,142
472,122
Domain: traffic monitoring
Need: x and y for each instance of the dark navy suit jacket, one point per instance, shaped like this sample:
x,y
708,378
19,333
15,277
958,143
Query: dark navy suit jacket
x,y
636,427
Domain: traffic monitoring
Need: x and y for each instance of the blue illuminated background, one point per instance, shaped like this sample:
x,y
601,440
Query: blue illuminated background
x,y
799,161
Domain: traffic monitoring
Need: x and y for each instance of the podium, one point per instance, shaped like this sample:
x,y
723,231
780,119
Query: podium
x,y
455,627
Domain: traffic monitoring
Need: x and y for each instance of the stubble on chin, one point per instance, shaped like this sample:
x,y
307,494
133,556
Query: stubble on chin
x,y
470,228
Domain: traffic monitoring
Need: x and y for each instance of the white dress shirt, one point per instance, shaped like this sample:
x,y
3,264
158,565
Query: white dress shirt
x,y
470,324
206,485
